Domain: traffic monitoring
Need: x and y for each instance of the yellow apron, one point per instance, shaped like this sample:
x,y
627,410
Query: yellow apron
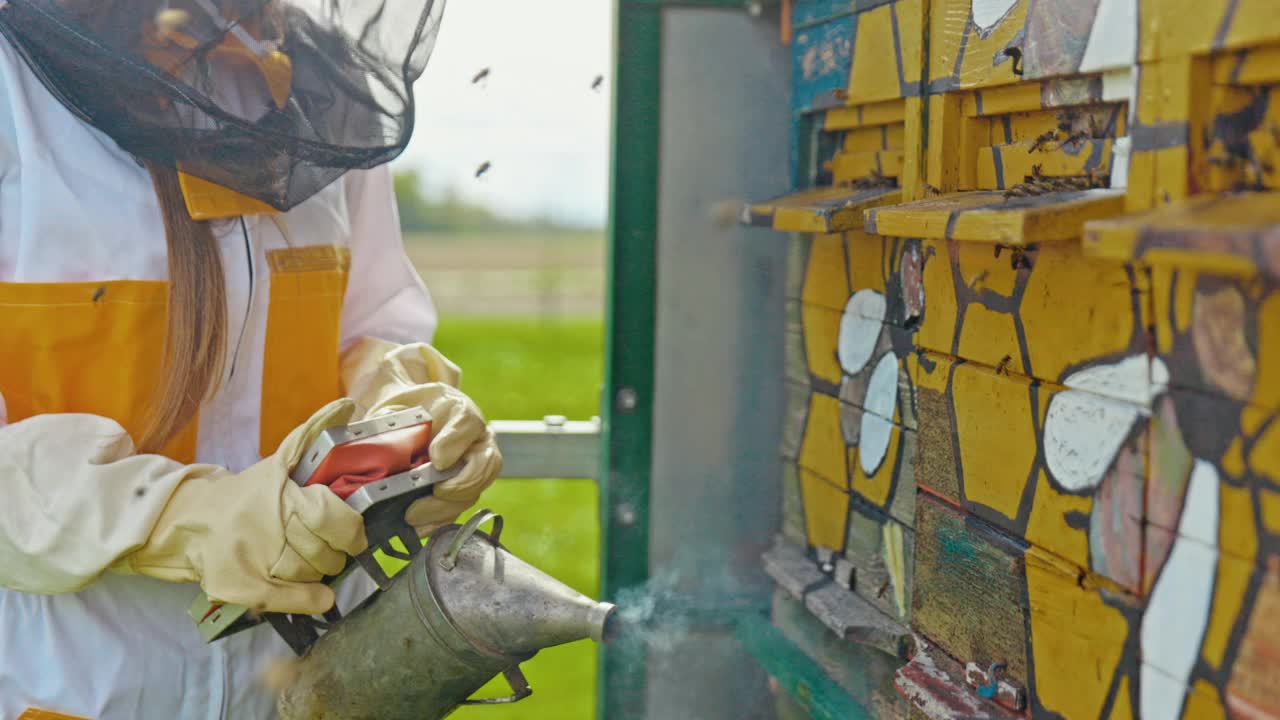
x,y
95,347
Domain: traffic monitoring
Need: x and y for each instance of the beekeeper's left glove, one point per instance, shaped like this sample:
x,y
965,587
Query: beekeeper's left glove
x,y
255,538
384,377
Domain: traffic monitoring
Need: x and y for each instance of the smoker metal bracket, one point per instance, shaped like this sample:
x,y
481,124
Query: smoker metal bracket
x,y
520,689
327,440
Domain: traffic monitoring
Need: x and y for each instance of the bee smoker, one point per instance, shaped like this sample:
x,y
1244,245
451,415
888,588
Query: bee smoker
x,y
461,612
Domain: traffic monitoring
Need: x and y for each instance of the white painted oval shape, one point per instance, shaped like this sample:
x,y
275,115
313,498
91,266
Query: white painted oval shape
x,y
1135,379
987,13
860,330
1087,424
877,425
1082,434
1174,622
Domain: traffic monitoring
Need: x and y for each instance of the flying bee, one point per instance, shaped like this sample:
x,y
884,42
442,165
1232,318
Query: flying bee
x,y
1016,191
884,588
483,168
97,294
1003,367
1077,138
1043,139
931,190
484,73
1072,183
1064,183
873,180
598,82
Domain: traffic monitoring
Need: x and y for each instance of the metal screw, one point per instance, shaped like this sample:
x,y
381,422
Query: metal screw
x,y
626,400
625,514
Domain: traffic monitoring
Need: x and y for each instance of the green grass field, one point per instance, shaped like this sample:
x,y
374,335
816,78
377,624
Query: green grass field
x,y
525,368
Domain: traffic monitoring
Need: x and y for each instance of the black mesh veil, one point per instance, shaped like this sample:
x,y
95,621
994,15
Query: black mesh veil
x,y
271,98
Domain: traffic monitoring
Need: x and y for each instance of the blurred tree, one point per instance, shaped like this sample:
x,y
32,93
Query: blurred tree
x,y
419,213
415,211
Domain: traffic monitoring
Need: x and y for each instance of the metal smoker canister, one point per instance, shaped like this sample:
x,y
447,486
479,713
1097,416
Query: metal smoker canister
x,y
464,610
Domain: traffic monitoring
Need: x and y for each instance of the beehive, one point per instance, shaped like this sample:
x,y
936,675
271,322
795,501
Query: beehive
x,y
1031,454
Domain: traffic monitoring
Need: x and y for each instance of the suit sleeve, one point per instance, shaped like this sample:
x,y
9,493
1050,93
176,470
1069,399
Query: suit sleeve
x,y
77,498
385,298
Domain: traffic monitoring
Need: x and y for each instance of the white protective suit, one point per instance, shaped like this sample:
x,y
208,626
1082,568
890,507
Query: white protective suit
x,y
82,292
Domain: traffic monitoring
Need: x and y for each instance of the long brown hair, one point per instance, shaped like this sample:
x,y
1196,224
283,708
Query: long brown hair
x,y
196,341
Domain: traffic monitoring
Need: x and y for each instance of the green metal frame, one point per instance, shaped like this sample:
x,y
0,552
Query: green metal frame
x,y
630,327
627,404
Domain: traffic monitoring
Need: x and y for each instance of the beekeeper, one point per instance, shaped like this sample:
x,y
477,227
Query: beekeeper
x,y
200,269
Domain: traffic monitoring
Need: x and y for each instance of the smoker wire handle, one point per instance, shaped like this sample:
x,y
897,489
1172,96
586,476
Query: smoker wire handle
x,y
450,558
519,689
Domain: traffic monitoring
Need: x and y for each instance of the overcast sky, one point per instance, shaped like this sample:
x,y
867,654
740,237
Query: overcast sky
x,y
535,119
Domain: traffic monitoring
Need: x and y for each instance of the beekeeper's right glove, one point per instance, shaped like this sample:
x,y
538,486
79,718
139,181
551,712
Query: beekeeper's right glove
x,y
384,377
255,538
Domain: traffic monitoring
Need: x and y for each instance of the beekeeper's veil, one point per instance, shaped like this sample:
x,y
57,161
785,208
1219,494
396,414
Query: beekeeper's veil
x,y
271,98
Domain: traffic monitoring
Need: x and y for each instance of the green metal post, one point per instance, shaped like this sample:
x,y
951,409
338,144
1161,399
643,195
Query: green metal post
x,y
631,321
629,370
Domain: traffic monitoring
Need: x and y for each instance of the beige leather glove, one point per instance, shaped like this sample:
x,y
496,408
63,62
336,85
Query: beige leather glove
x,y
255,538
384,377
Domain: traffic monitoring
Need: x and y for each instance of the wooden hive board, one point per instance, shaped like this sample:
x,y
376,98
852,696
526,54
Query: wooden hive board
x,y
1042,313
998,456
1236,234
990,217
817,210
865,673
985,598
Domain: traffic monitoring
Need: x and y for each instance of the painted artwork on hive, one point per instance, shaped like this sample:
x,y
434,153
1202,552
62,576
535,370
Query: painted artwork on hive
x,y
1107,454
1055,459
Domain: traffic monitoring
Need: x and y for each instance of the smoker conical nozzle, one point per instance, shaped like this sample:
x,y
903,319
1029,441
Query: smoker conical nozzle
x,y
503,604
509,606
602,628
